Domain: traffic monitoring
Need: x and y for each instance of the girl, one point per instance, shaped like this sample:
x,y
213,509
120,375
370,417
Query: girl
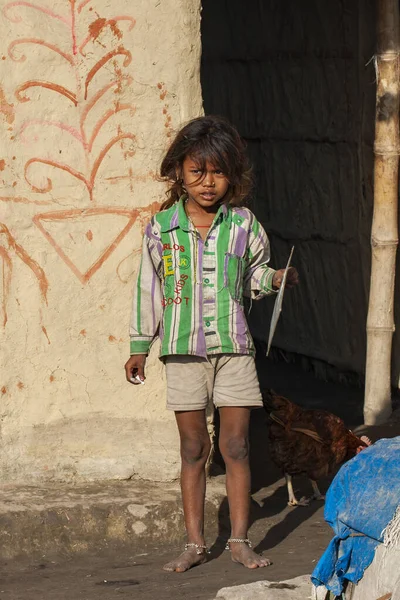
x,y
201,255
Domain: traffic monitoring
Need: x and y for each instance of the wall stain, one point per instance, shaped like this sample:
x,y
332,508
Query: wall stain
x,y
97,26
45,333
11,243
168,118
163,90
6,109
21,200
7,274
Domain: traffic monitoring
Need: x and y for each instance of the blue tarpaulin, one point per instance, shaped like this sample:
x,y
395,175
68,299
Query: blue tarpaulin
x,y
360,503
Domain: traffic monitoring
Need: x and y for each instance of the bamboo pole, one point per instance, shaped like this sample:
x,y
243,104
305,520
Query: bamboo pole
x,y
384,234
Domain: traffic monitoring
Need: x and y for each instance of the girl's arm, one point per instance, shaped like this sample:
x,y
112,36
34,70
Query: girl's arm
x,y
146,305
259,277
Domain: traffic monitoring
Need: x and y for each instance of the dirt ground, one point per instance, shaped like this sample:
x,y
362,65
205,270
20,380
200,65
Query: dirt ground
x,y
294,541
294,538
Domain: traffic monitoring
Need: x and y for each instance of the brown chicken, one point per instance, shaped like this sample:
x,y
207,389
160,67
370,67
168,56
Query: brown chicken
x,y
314,442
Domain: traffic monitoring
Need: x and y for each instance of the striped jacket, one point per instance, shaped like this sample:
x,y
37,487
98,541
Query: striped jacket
x,y
189,292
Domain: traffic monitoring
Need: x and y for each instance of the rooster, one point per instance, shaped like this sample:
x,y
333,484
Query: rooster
x,y
314,442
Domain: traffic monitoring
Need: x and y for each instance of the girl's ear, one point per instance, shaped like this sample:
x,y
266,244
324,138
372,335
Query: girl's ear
x,y
178,173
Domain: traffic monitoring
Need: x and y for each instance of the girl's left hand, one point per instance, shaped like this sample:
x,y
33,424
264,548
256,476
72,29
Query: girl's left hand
x,y
292,278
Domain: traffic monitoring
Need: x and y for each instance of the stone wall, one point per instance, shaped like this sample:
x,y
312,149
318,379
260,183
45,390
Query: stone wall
x,y
91,92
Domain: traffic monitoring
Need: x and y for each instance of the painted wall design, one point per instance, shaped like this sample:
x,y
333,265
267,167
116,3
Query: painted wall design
x,y
85,97
90,94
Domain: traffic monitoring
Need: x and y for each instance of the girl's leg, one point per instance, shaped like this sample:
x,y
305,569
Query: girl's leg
x,y
195,448
234,446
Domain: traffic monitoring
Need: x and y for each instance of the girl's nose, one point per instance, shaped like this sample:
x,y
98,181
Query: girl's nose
x,y
209,180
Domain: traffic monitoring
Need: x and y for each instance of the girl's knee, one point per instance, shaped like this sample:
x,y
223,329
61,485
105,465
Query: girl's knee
x,y
235,448
195,450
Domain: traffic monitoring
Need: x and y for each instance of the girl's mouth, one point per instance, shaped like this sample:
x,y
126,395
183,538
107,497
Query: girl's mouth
x,y
208,195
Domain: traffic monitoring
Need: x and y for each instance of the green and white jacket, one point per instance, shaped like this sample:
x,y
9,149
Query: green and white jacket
x,y
189,292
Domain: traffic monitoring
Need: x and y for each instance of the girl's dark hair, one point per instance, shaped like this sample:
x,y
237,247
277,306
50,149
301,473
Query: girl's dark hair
x,y
210,139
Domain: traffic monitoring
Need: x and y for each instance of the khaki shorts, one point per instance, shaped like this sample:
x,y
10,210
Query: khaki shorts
x,y
228,379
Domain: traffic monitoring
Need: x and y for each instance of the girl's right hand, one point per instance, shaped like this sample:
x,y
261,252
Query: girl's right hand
x,y
292,278
134,369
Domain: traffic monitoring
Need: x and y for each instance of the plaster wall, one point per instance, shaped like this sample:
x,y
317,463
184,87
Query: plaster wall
x,y
90,95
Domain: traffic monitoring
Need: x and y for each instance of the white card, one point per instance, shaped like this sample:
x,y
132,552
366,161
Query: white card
x,y
278,304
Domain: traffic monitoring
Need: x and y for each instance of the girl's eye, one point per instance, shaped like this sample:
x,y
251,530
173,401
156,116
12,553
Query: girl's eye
x,y
219,172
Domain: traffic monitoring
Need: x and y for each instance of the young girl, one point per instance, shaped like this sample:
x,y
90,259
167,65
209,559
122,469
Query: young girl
x,y
201,255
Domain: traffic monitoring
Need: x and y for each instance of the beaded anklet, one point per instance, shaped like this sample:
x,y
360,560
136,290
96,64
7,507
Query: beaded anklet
x,y
199,548
238,541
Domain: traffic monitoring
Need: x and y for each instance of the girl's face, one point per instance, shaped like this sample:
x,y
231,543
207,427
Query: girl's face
x,y
205,188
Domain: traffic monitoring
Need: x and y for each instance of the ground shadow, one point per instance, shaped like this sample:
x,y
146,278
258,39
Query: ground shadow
x,y
271,506
306,390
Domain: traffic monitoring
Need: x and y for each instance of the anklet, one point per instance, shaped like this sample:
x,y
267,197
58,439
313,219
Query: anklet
x,y
199,548
238,541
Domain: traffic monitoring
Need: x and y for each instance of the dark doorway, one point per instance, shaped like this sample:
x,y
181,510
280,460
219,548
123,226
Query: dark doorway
x,y
297,80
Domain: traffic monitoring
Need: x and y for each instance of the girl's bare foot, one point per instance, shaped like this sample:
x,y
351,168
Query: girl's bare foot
x,y
188,559
243,554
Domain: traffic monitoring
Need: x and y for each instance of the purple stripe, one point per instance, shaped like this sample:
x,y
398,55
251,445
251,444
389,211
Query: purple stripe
x,y
241,242
153,312
174,220
211,237
241,329
157,245
253,275
210,301
160,248
201,349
